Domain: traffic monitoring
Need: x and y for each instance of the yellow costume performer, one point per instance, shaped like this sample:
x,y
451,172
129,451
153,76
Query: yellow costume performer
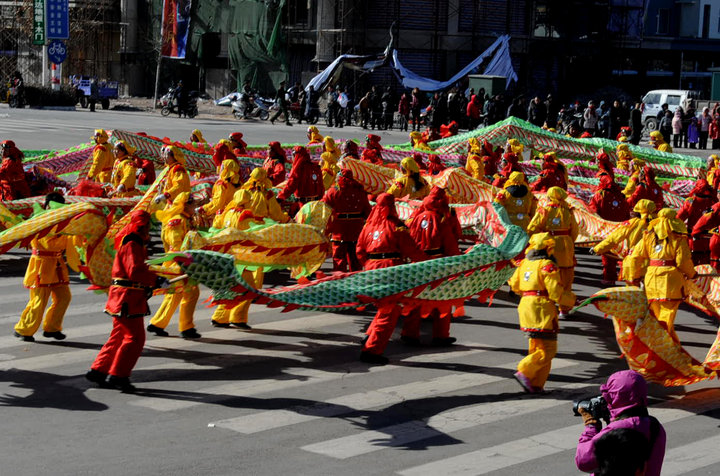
x,y
330,169
514,146
419,142
175,225
196,136
624,157
47,278
558,220
712,169
410,184
658,142
251,204
637,166
102,158
665,245
124,173
474,165
518,200
223,190
627,236
177,180
537,280
314,136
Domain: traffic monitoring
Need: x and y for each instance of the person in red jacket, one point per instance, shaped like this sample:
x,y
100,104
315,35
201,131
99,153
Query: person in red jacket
x,y
132,286
350,207
384,242
350,149
435,165
648,189
508,165
610,204
708,225
553,174
305,180
605,166
433,228
13,184
473,112
275,163
700,201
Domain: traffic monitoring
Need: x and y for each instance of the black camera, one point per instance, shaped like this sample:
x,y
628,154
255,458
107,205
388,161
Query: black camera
x,y
596,406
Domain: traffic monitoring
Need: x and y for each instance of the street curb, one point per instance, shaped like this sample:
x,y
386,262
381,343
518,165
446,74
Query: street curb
x,y
54,108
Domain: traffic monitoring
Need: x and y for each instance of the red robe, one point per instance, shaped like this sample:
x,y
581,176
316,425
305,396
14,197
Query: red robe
x,y
350,210
275,171
705,238
305,181
551,175
129,265
13,185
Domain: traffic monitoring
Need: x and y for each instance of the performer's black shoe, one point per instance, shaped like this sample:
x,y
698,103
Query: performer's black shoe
x,y
241,325
215,323
411,341
54,335
97,377
443,341
24,338
190,334
157,331
121,383
370,358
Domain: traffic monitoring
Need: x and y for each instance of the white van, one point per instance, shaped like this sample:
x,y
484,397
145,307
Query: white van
x,y
653,101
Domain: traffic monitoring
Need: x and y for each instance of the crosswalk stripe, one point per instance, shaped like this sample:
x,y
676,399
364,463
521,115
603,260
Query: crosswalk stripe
x,y
308,377
454,420
545,444
696,455
76,333
345,404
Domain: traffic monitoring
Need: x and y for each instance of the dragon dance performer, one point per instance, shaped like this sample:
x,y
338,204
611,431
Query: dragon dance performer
x,y
665,245
514,146
329,168
433,228
147,171
102,158
132,286
474,165
624,156
558,220
238,145
419,141
350,149
553,174
176,221
384,241
13,184
658,142
371,156
630,232
538,281
411,184
222,152
713,171
701,200
647,188
124,176
253,203
637,166
609,203
177,180
508,165
305,180
223,190
47,278
330,147
435,165
518,200
196,136
274,164
372,141
314,136
350,206
708,225
605,166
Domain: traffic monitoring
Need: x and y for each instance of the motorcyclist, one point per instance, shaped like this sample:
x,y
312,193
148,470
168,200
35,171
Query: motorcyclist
x,y
245,98
180,96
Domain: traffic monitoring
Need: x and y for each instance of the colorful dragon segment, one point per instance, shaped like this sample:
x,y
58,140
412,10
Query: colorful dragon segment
x,y
440,283
645,342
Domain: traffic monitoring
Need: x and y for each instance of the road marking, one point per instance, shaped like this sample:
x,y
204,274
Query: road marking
x,y
695,455
445,422
305,376
527,449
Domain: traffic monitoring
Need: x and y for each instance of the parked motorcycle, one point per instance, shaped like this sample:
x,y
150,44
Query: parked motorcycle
x,y
251,106
170,106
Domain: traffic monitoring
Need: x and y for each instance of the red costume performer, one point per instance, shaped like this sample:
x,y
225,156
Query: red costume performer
x,y
132,285
13,184
275,163
491,158
700,201
553,174
433,228
147,176
350,207
305,179
350,149
449,130
508,165
605,166
371,156
648,189
372,141
418,158
384,242
435,165
239,146
610,204
708,225
222,152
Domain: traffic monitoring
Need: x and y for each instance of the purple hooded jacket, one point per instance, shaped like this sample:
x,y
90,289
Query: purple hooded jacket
x,y
623,390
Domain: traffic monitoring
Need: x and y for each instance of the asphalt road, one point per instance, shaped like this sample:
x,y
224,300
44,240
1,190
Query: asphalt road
x,y
290,397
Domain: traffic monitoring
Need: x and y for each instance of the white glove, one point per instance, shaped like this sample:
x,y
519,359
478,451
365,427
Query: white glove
x,y
159,199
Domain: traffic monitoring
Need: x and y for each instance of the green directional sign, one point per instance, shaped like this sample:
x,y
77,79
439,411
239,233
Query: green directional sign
x,y
38,32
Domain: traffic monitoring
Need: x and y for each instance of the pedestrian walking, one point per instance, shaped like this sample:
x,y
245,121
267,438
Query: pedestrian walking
x,y
282,104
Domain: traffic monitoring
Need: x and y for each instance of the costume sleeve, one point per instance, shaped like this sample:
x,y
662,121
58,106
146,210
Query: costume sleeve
x,y
180,183
638,259
556,292
275,211
291,186
97,162
585,452
397,188
684,211
683,257
277,173
617,236
450,242
127,171
514,281
595,202
132,257
217,198
706,222
537,224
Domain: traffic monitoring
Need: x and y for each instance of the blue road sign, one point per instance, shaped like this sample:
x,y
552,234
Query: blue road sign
x,y
57,52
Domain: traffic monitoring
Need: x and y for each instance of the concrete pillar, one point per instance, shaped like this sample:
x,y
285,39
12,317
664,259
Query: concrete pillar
x,y
325,46
131,74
